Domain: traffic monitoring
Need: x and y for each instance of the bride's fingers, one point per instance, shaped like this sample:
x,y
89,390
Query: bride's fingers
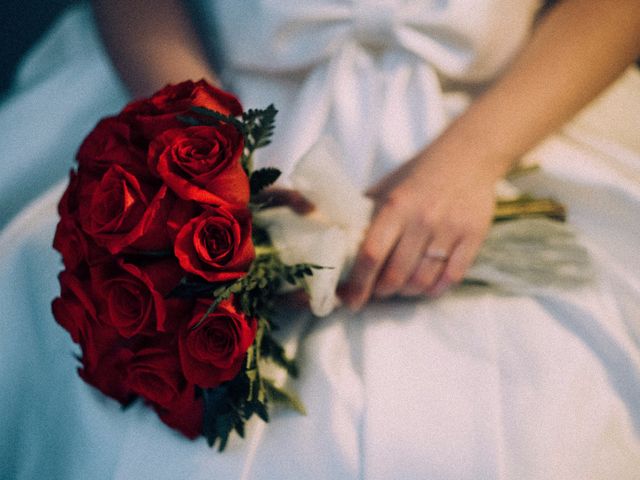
x,y
401,262
380,239
280,197
461,259
430,267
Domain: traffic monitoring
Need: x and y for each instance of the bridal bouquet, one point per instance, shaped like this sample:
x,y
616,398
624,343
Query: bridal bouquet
x,y
173,263
168,284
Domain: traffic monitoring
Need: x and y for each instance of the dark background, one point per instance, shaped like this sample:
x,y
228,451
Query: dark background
x,y
21,24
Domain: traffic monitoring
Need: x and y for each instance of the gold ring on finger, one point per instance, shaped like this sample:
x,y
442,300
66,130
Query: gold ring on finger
x,y
437,254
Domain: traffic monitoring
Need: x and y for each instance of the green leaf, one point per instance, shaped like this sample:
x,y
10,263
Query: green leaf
x,y
191,121
224,425
217,409
262,178
220,294
190,289
220,117
280,395
273,350
261,411
238,426
258,127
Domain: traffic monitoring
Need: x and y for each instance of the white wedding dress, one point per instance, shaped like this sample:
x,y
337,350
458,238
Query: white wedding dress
x,y
475,385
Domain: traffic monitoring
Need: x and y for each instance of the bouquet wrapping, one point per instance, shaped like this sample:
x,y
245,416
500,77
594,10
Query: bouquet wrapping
x,y
168,285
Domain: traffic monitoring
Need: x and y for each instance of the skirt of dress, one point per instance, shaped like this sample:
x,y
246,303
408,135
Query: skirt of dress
x,y
475,385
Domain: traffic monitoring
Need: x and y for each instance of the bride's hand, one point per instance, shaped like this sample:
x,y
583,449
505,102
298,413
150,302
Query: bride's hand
x,y
432,216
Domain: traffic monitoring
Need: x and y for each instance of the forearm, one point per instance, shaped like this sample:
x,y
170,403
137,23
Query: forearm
x,y
575,52
151,43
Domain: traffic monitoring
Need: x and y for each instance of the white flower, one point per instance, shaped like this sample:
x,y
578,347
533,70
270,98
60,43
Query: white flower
x,y
330,235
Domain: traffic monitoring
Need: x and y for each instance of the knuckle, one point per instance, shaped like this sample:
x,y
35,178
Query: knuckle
x,y
455,225
427,220
475,231
480,228
396,202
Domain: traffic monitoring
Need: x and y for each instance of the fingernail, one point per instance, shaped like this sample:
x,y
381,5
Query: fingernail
x,y
354,303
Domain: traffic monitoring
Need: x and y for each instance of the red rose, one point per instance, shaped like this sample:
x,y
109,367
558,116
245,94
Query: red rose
x,y
154,115
69,202
202,164
186,416
132,297
104,361
155,374
217,244
74,310
111,143
71,243
108,373
76,249
213,351
180,214
121,212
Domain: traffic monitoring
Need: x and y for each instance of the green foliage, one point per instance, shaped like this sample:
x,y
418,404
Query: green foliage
x,y
222,414
273,350
280,395
213,118
255,293
256,126
259,127
228,406
262,178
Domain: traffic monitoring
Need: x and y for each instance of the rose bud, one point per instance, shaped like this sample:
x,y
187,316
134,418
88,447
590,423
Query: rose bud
x,y
216,245
121,212
213,349
202,164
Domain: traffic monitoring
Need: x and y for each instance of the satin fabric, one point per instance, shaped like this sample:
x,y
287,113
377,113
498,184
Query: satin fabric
x,y
475,385
378,75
